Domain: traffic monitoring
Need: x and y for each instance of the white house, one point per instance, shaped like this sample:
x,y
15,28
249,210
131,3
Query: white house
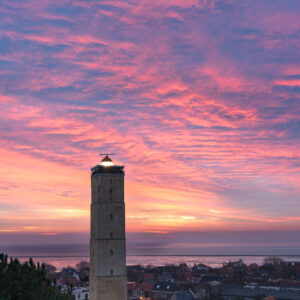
x,y
80,294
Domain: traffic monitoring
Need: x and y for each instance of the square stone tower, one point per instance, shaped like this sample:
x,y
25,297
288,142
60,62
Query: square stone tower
x,y
108,280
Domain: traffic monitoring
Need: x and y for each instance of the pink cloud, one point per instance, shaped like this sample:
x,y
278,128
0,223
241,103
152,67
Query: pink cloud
x,y
189,103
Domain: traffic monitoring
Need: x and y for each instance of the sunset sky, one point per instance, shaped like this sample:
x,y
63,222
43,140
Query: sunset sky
x,y
198,98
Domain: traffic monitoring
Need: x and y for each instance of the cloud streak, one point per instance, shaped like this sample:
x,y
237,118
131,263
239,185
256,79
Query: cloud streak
x,y
200,99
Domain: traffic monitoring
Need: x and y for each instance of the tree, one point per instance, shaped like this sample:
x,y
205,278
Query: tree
x,y
83,270
50,270
149,267
83,267
27,282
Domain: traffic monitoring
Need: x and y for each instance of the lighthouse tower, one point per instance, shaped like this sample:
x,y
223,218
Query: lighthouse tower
x,y
108,279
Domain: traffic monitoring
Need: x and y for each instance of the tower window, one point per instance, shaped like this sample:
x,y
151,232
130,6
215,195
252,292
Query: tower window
x,y
111,272
111,217
111,235
110,181
111,252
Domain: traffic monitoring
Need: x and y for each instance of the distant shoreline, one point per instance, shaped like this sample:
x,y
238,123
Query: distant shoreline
x,y
214,261
167,255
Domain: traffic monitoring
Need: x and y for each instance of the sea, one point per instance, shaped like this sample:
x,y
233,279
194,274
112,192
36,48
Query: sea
x,y
62,256
157,260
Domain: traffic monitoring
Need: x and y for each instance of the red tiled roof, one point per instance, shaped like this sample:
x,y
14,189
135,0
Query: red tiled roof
x,y
68,281
147,276
188,275
131,286
146,287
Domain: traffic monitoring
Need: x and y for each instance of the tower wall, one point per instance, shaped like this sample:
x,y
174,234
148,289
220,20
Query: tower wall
x,y
108,280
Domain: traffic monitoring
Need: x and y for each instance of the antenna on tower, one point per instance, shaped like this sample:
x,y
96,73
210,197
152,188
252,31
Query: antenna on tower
x,y
106,154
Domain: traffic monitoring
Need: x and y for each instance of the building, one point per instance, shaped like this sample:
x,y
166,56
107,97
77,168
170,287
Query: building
x,y
68,277
183,295
146,277
233,291
138,291
69,273
108,280
80,294
163,291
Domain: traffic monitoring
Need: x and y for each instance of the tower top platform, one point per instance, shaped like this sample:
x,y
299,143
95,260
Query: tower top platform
x,y
107,166
99,169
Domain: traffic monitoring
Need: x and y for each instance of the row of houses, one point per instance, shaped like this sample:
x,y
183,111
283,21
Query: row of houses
x,y
229,291
234,280
170,291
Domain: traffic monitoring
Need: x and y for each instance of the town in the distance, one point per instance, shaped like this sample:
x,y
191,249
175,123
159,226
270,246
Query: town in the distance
x,y
273,279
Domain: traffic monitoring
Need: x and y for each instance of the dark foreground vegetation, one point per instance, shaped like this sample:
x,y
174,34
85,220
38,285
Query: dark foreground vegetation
x,y
27,281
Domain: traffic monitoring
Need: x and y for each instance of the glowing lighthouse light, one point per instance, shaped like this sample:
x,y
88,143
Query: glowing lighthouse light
x,y
106,161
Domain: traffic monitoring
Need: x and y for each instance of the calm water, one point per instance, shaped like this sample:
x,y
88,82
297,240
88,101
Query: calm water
x,y
69,255
213,261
